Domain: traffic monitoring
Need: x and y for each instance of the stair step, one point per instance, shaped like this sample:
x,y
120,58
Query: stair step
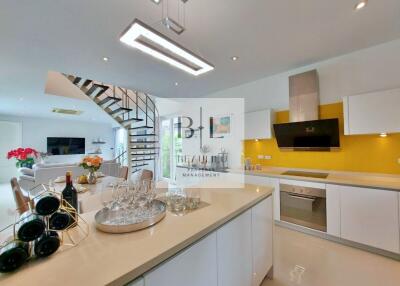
x,y
86,83
108,99
141,127
77,80
94,87
120,110
144,155
142,149
140,160
144,142
130,121
144,164
142,135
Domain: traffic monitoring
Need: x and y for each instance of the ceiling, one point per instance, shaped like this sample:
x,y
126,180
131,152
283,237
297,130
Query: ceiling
x,y
268,36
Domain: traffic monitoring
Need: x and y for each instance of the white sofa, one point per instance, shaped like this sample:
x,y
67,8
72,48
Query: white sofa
x,y
43,173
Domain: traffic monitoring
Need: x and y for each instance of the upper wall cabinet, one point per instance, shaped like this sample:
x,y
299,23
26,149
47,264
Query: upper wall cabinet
x,y
258,124
372,113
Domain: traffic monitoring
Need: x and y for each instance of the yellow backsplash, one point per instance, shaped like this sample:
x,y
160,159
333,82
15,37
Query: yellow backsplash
x,y
358,153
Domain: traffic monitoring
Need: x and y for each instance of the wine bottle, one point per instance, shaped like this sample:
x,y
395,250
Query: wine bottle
x,y
59,220
47,244
13,255
29,227
46,203
70,195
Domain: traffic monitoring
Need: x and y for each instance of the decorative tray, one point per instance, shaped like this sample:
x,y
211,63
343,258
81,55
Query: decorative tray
x,y
126,220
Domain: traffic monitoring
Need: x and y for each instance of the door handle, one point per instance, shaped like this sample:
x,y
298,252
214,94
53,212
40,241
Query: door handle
x,y
302,198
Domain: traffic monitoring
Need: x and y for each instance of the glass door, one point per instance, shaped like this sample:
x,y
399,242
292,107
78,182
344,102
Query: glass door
x,y
171,148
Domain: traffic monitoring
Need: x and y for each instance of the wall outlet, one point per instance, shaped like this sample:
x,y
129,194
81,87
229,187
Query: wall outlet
x,y
260,157
269,157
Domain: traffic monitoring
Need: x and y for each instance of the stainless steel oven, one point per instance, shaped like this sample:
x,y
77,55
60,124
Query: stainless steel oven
x,y
303,206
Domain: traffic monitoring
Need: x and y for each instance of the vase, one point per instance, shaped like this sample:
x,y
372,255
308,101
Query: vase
x,y
91,177
28,164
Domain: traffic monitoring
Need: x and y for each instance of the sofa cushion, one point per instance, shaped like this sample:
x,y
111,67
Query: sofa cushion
x,y
26,171
27,178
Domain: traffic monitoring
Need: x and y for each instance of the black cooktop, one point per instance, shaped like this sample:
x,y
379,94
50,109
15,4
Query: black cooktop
x,y
306,174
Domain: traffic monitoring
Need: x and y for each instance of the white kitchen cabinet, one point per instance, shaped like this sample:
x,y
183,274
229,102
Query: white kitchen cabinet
x,y
372,113
258,124
195,266
136,282
370,216
261,216
234,252
333,209
268,181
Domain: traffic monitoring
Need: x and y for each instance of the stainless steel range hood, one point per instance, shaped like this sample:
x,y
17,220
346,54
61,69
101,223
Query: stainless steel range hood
x,y
306,131
304,97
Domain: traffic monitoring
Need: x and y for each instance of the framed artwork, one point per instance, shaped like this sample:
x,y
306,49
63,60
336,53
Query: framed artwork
x,y
220,126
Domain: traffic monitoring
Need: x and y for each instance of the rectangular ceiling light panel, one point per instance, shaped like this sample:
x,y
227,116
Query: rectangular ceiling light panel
x,y
137,30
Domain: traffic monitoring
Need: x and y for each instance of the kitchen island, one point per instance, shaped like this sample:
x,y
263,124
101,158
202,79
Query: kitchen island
x,y
236,223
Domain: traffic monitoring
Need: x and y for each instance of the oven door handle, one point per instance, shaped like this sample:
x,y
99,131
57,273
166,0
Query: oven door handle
x,y
302,197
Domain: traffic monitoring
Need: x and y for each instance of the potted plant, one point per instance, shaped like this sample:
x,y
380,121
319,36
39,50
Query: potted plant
x,y
25,157
92,164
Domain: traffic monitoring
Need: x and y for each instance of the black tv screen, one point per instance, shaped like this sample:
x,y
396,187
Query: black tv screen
x,y
65,146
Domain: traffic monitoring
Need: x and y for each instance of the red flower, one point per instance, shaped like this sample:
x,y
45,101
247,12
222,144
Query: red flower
x,y
22,154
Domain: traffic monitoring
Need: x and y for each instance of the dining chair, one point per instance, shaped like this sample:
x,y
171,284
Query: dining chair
x,y
146,175
123,173
21,200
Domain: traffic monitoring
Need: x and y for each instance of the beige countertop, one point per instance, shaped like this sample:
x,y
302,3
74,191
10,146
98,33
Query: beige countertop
x,y
115,259
370,180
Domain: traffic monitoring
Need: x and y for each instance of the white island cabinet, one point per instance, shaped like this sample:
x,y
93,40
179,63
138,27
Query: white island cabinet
x,y
239,253
234,252
136,282
262,223
270,182
195,266
368,216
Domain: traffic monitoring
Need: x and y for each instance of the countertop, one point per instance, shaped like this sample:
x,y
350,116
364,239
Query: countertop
x,y
369,180
115,259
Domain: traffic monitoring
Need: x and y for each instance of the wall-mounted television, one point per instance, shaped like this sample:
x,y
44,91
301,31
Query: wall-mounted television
x,y
65,145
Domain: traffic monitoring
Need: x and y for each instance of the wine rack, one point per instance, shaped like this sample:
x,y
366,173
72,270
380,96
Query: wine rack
x,y
44,225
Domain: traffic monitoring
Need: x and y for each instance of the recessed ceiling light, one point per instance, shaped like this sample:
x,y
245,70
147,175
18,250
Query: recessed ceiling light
x,y
234,58
176,84
105,59
140,36
360,5
156,1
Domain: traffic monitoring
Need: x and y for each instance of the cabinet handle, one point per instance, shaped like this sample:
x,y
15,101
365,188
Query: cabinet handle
x,y
302,198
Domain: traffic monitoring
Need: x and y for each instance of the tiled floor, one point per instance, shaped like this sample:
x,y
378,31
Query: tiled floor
x,y
300,259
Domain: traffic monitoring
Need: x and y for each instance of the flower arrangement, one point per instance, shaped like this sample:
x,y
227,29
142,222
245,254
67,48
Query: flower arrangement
x,y
25,156
91,163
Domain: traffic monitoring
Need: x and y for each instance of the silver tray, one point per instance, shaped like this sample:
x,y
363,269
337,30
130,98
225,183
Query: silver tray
x,y
122,221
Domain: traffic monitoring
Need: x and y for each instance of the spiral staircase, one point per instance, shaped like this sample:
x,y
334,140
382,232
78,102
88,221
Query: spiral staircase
x,y
135,111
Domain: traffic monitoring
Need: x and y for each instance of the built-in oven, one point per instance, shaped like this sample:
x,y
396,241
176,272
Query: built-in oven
x,y
303,206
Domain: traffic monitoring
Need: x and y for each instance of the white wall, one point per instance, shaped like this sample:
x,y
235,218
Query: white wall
x,y
371,69
36,130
